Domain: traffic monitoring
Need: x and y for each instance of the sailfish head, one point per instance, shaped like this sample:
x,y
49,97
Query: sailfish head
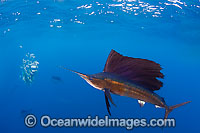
x,y
88,78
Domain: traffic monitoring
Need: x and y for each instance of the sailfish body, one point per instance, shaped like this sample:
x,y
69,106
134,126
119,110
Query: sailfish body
x,y
131,77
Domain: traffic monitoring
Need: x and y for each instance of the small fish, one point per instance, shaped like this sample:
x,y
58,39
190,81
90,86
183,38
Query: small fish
x,y
56,78
131,77
25,112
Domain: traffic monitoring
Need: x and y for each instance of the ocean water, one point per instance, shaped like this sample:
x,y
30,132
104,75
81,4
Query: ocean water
x,y
38,36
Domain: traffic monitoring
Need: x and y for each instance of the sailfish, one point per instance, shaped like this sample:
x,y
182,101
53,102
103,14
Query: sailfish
x,y
131,77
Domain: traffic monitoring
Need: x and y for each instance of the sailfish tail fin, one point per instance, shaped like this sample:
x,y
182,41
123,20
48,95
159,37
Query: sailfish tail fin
x,y
173,107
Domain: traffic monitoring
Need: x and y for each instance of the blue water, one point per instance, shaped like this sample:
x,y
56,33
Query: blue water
x,y
79,35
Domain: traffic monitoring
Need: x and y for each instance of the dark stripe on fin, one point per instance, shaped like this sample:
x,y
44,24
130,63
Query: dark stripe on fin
x,y
107,93
141,71
107,104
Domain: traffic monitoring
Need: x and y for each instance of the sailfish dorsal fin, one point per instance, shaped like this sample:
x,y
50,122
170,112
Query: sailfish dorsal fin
x,y
142,71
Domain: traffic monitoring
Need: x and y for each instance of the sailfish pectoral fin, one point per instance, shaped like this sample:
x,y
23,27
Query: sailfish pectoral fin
x,y
107,93
107,104
107,98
